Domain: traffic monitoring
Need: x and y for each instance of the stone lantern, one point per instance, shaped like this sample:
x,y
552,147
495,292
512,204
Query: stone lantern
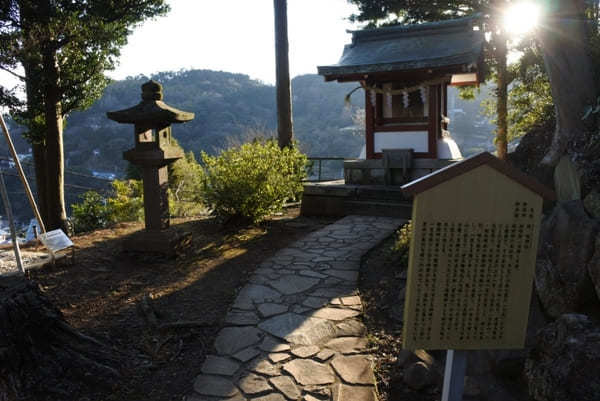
x,y
153,152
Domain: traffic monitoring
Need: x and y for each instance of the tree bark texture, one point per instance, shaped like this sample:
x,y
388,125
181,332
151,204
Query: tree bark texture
x,y
38,144
501,98
285,130
564,43
40,354
39,162
55,178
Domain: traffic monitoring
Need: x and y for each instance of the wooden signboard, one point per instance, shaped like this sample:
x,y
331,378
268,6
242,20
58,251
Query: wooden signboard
x,y
472,256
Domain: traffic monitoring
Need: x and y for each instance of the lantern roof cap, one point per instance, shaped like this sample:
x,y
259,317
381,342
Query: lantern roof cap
x,y
454,170
151,110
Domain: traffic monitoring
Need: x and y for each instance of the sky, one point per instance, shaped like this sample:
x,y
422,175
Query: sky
x,y
234,36
237,36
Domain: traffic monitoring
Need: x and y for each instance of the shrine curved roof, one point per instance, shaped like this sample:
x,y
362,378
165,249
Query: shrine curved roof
x,y
410,47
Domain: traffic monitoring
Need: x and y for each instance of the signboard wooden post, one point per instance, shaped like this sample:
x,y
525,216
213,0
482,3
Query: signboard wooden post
x,y
472,258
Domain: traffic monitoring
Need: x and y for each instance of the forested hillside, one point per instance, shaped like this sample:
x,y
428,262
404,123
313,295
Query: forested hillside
x,y
227,106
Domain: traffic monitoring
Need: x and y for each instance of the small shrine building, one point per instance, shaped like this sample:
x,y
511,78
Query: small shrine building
x,y
405,71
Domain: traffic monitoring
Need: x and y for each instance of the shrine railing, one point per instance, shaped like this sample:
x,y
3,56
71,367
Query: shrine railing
x,y
324,169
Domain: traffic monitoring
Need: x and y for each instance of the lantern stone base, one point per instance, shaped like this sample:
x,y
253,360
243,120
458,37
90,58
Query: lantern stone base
x,y
167,242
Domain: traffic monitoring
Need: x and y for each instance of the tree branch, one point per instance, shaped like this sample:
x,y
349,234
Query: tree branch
x,y
21,77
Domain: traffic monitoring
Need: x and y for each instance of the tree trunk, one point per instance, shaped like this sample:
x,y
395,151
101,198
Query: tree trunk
x,y
285,130
501,98
55,183
40,354
32,82
39,163
564,44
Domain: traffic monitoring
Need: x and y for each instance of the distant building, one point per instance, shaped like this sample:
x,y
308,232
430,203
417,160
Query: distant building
x,y
104,174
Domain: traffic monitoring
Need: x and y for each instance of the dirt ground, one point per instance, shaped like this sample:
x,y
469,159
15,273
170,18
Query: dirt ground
x,y
102,292
382,277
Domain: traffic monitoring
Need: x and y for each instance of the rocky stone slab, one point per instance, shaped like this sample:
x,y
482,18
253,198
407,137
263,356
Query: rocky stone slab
x,y
348,275
311,273
306,372
347,345
286,386
354,393
355,369
324,355
299,329
256,293
336,314
293,284
293,333
350,328
246,354
279,357
270,397
254,384
233,339
271,345
271,309
306,351
245,318
333,292
354,300
215,386
265,368
217,365
315,302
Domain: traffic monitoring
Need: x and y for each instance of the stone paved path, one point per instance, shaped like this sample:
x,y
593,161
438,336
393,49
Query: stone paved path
x,y
293,332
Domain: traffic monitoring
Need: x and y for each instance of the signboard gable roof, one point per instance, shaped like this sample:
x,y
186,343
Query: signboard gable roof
x,y
447,173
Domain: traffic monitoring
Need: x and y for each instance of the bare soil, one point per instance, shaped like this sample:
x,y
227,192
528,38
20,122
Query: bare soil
x,y
103,291
382,278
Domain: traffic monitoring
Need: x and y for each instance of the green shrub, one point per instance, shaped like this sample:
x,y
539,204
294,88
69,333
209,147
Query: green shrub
x,y
127,202
96,211
253,180
91,214
402,244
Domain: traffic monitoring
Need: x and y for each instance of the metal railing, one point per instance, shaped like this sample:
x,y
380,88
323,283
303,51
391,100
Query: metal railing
x,y
334,173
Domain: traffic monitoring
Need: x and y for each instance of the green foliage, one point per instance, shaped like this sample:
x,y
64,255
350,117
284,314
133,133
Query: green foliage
x,y
83,37
96,211
402,244
92,213
253,180
530,101
127,202
410,11
186,179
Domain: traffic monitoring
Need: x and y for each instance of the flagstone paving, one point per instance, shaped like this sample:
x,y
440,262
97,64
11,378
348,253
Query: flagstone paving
x,y
293,333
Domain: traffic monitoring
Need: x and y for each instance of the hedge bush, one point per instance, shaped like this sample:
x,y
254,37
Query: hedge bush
x,y
253,180
95,211
402,244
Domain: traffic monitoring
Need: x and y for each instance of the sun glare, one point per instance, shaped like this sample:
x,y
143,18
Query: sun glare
x,y
521,18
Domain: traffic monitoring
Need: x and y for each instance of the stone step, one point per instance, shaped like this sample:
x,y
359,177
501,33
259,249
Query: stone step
x,y
380,193
373,208
355,192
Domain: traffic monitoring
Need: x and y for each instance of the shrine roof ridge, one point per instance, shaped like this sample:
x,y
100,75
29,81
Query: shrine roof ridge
x,y
411,47
436,27
454,170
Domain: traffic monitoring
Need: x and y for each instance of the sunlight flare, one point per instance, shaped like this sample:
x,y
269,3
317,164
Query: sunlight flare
x,y
521,18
